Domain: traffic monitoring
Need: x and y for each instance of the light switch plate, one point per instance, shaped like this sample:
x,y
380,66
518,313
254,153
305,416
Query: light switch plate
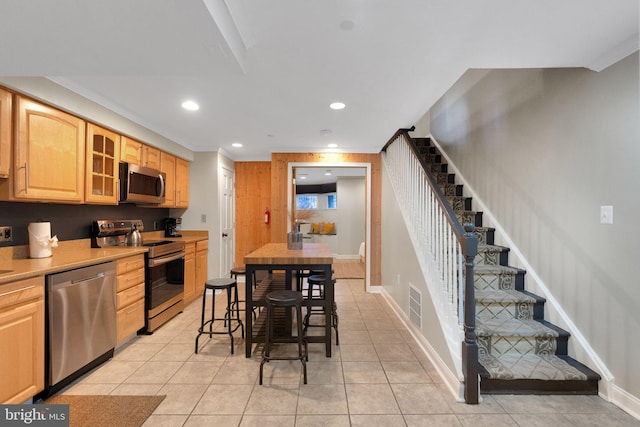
x,y
606,214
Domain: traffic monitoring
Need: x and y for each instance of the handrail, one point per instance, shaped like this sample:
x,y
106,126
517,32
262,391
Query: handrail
x,y
395,136
445,249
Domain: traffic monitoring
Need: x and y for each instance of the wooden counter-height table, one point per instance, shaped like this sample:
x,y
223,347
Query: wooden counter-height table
x,y
277,268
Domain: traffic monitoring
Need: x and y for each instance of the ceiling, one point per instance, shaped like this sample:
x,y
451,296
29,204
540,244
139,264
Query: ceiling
x,y
264,72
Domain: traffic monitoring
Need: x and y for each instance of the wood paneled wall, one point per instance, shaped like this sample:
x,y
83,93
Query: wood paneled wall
x,y
279,215
253,195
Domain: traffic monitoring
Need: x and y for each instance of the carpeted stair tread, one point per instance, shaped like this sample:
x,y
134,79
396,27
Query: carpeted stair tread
x,y
530,366
496,269
491,248
491,255
515,328
485,235
503,296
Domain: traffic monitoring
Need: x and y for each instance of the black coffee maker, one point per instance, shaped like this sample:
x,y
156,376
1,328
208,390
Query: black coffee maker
x,y
172,226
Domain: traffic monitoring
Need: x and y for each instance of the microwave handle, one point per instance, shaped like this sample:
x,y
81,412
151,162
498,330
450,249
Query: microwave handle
x,y
162,186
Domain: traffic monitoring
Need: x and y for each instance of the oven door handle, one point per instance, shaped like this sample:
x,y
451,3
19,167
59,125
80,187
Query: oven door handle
x,y
154,262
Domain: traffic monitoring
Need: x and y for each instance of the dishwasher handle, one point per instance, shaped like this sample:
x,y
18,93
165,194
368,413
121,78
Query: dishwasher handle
x,y
88,279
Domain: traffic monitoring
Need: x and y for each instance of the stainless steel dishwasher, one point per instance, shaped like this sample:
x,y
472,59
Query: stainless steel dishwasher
x,y
81,322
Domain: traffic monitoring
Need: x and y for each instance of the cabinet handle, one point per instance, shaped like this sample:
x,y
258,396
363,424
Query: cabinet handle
x,y
26,177
16,291
132,310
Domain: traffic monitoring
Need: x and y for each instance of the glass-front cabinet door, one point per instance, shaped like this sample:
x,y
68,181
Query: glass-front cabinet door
x,y
103,158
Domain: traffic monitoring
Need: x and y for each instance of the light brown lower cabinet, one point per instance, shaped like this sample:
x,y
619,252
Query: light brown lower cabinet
x,y
21,340
189,272
129,296
202,247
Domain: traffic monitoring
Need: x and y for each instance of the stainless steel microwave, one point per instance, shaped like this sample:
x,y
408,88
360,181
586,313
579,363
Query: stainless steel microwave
x,y
141,185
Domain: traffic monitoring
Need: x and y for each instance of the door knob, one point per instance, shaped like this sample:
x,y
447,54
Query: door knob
x,y
225,235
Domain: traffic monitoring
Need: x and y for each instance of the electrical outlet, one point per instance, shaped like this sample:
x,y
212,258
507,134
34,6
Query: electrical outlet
x,y
6,234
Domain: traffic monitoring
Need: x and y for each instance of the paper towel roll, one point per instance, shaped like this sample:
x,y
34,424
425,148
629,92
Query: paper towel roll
x,y
40,241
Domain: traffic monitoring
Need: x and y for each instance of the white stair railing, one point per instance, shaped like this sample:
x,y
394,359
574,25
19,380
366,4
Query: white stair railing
x,y
444,250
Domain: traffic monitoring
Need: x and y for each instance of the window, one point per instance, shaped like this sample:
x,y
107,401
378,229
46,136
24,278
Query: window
x,y
332,201
306,201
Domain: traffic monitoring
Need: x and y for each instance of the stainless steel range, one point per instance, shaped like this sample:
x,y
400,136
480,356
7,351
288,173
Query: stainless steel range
x,y
164,271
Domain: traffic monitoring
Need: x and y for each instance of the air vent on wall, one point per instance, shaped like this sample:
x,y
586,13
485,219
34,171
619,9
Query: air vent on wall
x,y
415,306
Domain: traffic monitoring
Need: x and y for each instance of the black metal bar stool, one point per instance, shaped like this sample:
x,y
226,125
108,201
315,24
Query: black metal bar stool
x,y
221,284
285,299
240,271
315,291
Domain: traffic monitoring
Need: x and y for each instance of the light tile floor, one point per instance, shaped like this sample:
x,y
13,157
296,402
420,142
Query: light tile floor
x,y
377,376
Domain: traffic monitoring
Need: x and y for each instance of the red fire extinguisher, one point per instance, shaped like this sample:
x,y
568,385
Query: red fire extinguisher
x,y
267,216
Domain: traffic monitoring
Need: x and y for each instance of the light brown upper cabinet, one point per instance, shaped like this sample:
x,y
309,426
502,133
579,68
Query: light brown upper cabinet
x,y
48,150
182,183
135,152
5,133
168,166
103,158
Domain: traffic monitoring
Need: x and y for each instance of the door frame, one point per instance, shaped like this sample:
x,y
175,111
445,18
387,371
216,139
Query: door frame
x,y
221,169
367,234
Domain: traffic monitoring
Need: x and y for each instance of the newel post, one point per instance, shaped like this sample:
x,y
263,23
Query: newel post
x,y
469,345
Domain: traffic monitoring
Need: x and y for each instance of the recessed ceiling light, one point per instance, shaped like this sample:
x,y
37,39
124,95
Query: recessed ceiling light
x,y
332,145
190,105
302,177
236,144
327,173
337,105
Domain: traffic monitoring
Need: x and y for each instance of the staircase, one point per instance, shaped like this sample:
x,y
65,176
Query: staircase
x,y
519,352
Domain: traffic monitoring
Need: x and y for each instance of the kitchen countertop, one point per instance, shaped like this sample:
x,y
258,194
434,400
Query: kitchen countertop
x,y
15,263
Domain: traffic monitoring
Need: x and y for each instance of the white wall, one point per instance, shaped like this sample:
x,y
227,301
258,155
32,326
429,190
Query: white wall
x,y
544,149
204,200
400,267
350,221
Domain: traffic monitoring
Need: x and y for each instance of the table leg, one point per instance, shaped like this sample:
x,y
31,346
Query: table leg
x,y
248,309
328,306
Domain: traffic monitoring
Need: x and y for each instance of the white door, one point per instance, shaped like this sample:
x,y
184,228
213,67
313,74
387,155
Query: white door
x,y
227,219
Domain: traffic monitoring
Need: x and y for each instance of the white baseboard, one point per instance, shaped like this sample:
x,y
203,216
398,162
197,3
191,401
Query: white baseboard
x,y
624,400
449,378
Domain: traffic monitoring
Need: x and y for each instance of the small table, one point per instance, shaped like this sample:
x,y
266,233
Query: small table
x,y
274,257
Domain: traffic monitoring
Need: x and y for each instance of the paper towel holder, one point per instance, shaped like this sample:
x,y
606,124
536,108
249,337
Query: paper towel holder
x,y
40,240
